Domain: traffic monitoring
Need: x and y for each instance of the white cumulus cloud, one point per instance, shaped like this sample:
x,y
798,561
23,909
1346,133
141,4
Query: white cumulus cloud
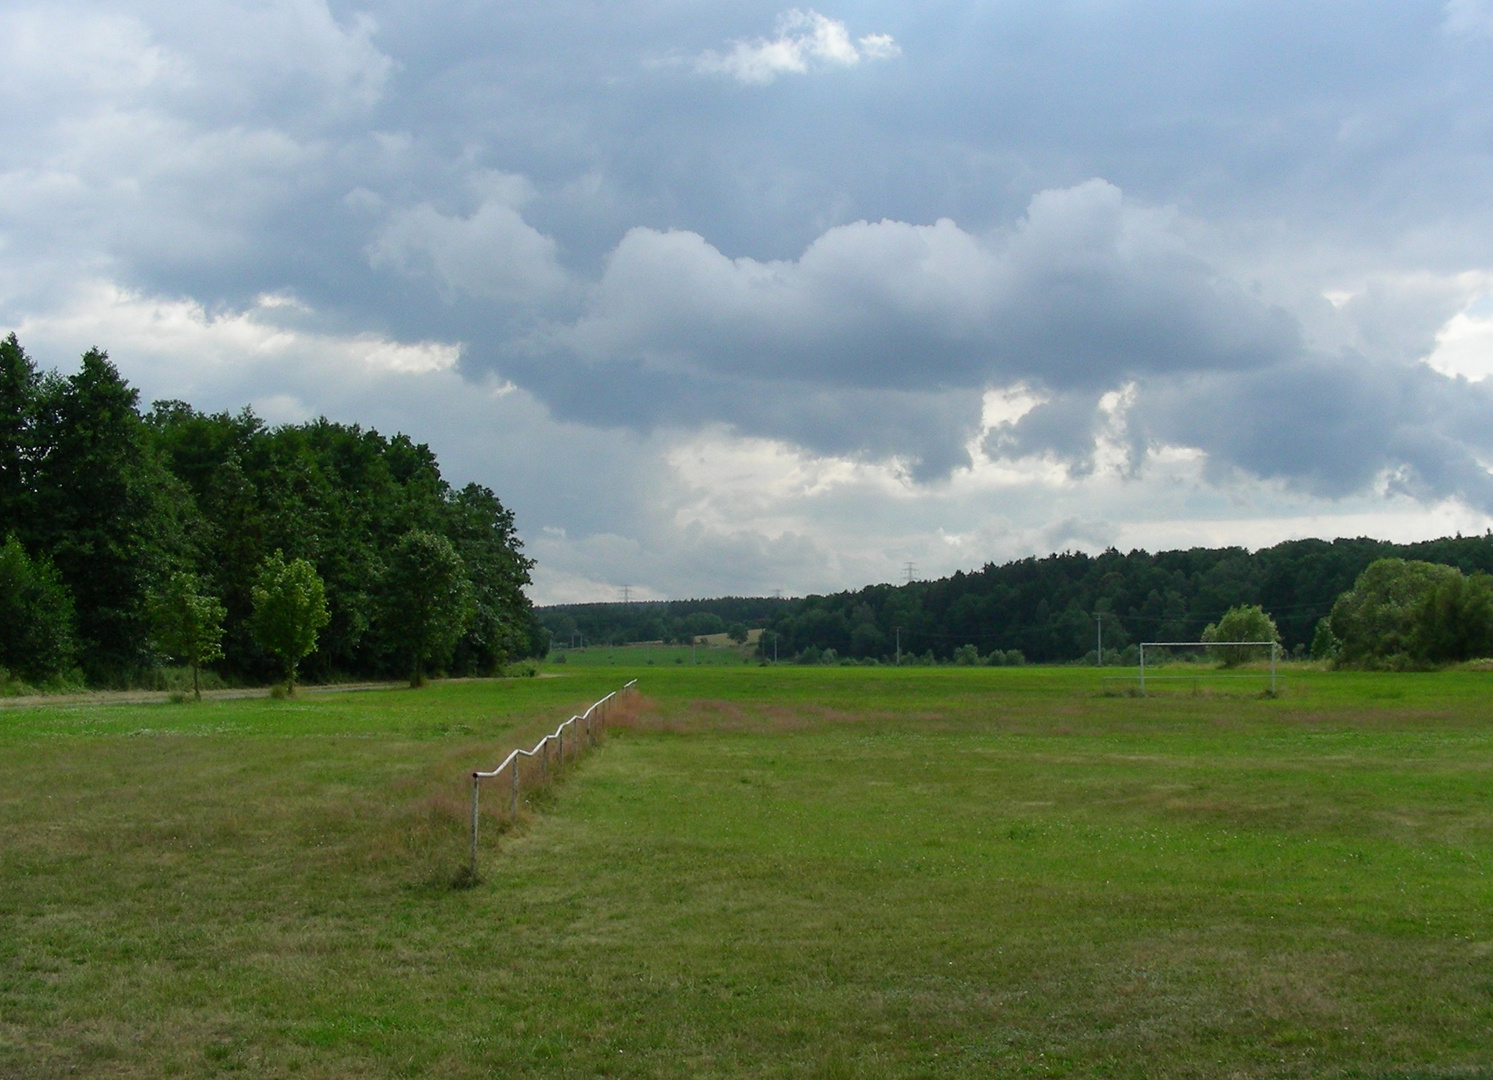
x,y
805,40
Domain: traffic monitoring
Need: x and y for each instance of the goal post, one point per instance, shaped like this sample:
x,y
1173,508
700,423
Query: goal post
x,y
1273,646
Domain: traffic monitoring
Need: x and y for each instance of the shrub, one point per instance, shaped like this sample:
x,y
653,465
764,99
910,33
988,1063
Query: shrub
x,y
1247,622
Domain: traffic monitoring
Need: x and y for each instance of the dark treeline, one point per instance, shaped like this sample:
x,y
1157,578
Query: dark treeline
x,y
657,620
1042,609
101,504
1045,608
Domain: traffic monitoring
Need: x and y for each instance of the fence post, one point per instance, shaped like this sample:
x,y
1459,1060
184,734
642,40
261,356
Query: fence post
x,y
1143,669
514,815
1272,668
544,759
476,786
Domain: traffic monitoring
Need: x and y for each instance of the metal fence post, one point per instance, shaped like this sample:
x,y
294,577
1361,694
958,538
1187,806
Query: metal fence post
x,y
476,787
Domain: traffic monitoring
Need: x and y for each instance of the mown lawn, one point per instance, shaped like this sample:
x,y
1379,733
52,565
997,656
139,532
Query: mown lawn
x,y
772,871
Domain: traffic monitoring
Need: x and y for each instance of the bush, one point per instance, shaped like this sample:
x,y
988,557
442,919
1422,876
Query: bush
x,y
36,616
966,656
1403,613
1247,622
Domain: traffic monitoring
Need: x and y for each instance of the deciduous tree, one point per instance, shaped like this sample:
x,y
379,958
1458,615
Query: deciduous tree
x,y
428,600
188,624
1245,622
290,608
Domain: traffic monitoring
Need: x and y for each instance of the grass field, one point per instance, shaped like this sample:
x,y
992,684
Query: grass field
x,y
787,872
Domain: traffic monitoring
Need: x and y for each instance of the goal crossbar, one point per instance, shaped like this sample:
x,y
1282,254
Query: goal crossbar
x,y
1274,647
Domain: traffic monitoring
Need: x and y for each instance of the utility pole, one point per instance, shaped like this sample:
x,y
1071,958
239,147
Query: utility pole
x,y
910,570
899,644
1099,632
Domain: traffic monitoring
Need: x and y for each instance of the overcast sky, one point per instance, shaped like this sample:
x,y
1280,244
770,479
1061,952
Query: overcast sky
x,y
733,297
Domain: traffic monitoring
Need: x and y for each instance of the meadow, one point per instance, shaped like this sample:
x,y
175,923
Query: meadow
x,y
779,871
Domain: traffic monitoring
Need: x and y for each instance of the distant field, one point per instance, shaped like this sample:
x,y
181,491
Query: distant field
x,y
719,654
787,872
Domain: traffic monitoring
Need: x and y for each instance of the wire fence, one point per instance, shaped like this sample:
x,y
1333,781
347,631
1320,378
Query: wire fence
x,y
584,729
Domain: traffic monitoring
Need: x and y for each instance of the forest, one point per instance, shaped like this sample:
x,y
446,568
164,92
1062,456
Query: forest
x,y
1041,609
103,505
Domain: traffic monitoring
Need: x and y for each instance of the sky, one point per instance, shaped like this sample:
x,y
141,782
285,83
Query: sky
x,y
737,298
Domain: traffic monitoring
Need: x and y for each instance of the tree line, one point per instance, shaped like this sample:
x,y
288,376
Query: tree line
x,y
112,519
1044,609
669,621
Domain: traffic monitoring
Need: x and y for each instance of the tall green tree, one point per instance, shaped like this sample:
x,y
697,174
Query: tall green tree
x,y
428,601
187,623
36,616
20,396
290,608
106,509
503,624
1454,620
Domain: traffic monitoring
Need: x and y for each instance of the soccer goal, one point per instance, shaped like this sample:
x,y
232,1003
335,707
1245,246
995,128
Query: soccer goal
x,y
1247,651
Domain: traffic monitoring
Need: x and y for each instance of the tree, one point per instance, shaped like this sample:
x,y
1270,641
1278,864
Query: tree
x,y
106,510
1454,620
1246,622
503,625
428,600
290,608
1375,622
36,616
1325,645
187,624
20,390
737,632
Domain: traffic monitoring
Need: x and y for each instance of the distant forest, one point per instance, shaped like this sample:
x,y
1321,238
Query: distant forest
x,y
1044,609
100,504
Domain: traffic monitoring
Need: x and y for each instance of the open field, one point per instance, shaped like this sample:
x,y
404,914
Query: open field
x,y
719,654
793,872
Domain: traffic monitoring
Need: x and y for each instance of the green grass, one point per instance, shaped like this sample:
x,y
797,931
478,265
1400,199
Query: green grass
x,y
794,872
638,656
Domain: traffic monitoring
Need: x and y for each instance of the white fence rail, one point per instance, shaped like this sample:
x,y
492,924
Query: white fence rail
x,y
586,727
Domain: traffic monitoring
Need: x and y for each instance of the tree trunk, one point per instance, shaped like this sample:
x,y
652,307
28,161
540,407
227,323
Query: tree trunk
x,y
196,686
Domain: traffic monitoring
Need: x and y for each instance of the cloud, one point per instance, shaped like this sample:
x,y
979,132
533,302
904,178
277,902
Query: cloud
x,y
492,254
1469,18
806,41
881,337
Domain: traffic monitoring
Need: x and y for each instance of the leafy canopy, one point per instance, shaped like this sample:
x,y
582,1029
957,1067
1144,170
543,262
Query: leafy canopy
x,y
1244,622
290,609
428,600
187,624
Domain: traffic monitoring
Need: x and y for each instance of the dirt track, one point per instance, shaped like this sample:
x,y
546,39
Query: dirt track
x,y
152,697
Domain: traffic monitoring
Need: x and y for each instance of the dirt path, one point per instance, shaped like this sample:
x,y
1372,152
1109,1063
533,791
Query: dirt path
x,y
159,697
156,697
